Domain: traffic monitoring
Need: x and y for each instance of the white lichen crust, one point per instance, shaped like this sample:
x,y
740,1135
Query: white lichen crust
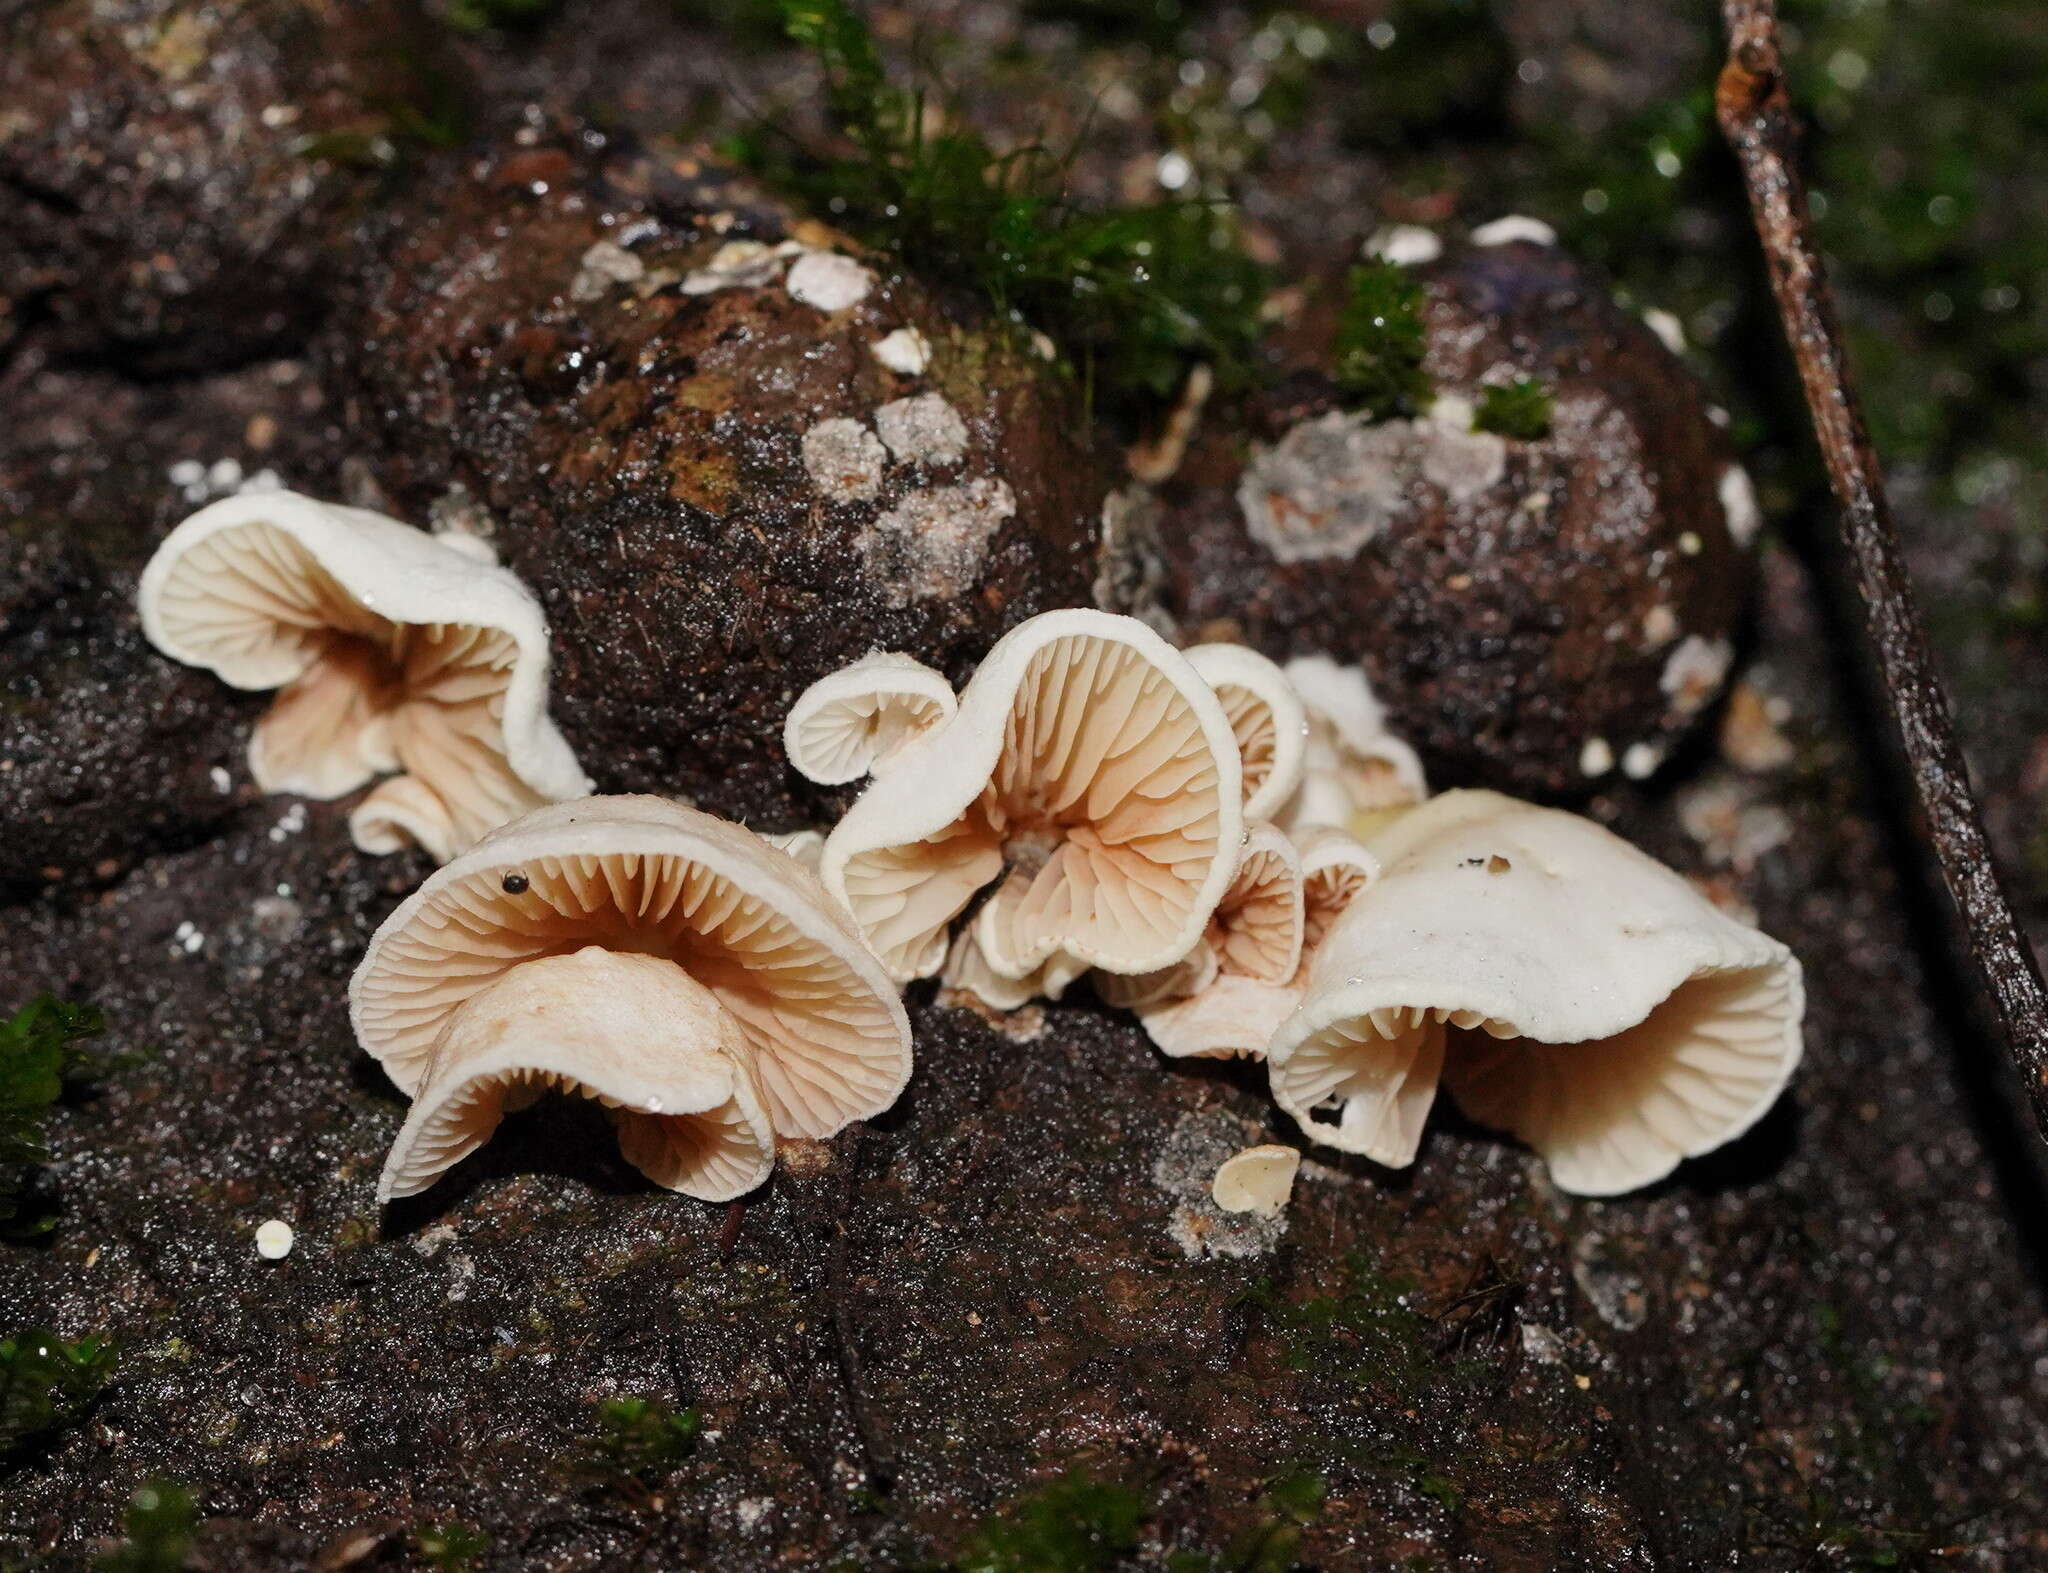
x,y
397,654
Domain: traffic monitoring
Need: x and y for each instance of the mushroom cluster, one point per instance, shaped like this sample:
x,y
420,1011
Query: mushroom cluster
x,y
1246,858
397,654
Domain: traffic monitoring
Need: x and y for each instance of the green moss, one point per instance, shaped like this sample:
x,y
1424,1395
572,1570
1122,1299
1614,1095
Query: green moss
x,y
159,1527
640,1438
1290,1503
450,1547
39,1058
47,1384
1518,409
1078,1524
1131,297
1380,342
482,16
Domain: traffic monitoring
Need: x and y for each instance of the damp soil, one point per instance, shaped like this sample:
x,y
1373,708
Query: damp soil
x,y
1822,1347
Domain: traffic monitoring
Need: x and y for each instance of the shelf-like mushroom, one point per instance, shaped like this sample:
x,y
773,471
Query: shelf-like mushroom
x,y
851,722
1566,986
753,961
1092,770
394,652
1255,931
1237,1011
1354,769
637,1033
1267,718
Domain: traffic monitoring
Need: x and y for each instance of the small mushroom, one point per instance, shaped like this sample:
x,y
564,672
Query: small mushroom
x,y
849,723
393,651
637,1033
1092,770
968,970
1567,987
1237,1014
1267,718
727,920
1354,769
1258,1180
1255,931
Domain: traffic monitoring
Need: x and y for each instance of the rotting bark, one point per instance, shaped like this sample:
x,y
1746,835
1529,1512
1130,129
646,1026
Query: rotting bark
x,y
1757,117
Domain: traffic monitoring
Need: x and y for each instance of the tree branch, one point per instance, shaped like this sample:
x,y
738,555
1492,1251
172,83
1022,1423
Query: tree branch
x,y
1757,118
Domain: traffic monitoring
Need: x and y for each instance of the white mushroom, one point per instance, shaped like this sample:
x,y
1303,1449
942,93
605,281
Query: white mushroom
x,y
968,971
735,919
1566,986
1254,932
1089,760
852,722
1234,1013
1266,717
1257,1180
394,651
669,1063
1354,768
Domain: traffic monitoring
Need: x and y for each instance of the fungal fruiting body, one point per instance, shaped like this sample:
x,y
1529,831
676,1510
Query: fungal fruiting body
x,y
1090,770
1257,1180
1354,770
1566,987
851,722
1238,1009
1267,718
396,654
679,969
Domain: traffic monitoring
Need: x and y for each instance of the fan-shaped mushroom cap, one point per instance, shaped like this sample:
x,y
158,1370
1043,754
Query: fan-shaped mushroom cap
x,y
395,651
636,1033
1354,767
850,723
1233,1014
1256,1180
1267,718
968,970
1089,758
643,876
1570,988
1255,931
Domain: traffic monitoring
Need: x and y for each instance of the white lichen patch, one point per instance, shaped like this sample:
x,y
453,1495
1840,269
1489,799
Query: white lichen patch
x,y
1731,827
906,352
1514,226
1185,1169
605,265
844,460
933,542
1738,505
1405,245
924,429
828,281
1327,487
740,264
1457,460
1694,672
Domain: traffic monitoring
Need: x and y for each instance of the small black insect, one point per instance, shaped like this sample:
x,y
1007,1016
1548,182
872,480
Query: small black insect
x,y
515,884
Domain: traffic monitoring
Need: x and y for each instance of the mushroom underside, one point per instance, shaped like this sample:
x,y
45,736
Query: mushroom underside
x,y
1607,1114
821,1040
637,1034
1102,816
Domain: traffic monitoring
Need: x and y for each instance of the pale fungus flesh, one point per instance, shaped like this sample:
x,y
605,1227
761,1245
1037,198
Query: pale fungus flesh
x,y
395,654
1567,988
850,723
1257,1180
639,876
1091,770
1354,769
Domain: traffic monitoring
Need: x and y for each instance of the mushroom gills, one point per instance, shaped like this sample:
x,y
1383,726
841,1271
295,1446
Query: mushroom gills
x,y
637,1034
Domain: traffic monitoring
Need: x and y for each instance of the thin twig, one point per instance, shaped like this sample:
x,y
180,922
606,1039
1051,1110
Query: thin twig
x,y
1757,118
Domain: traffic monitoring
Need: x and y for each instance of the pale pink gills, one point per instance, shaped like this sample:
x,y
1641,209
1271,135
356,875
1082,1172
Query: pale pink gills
x,y
854,721
1354,769
1091,769
1267,718
638,1034
969,972
1255,931
642,876
1233,1014
394,651
1567,987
